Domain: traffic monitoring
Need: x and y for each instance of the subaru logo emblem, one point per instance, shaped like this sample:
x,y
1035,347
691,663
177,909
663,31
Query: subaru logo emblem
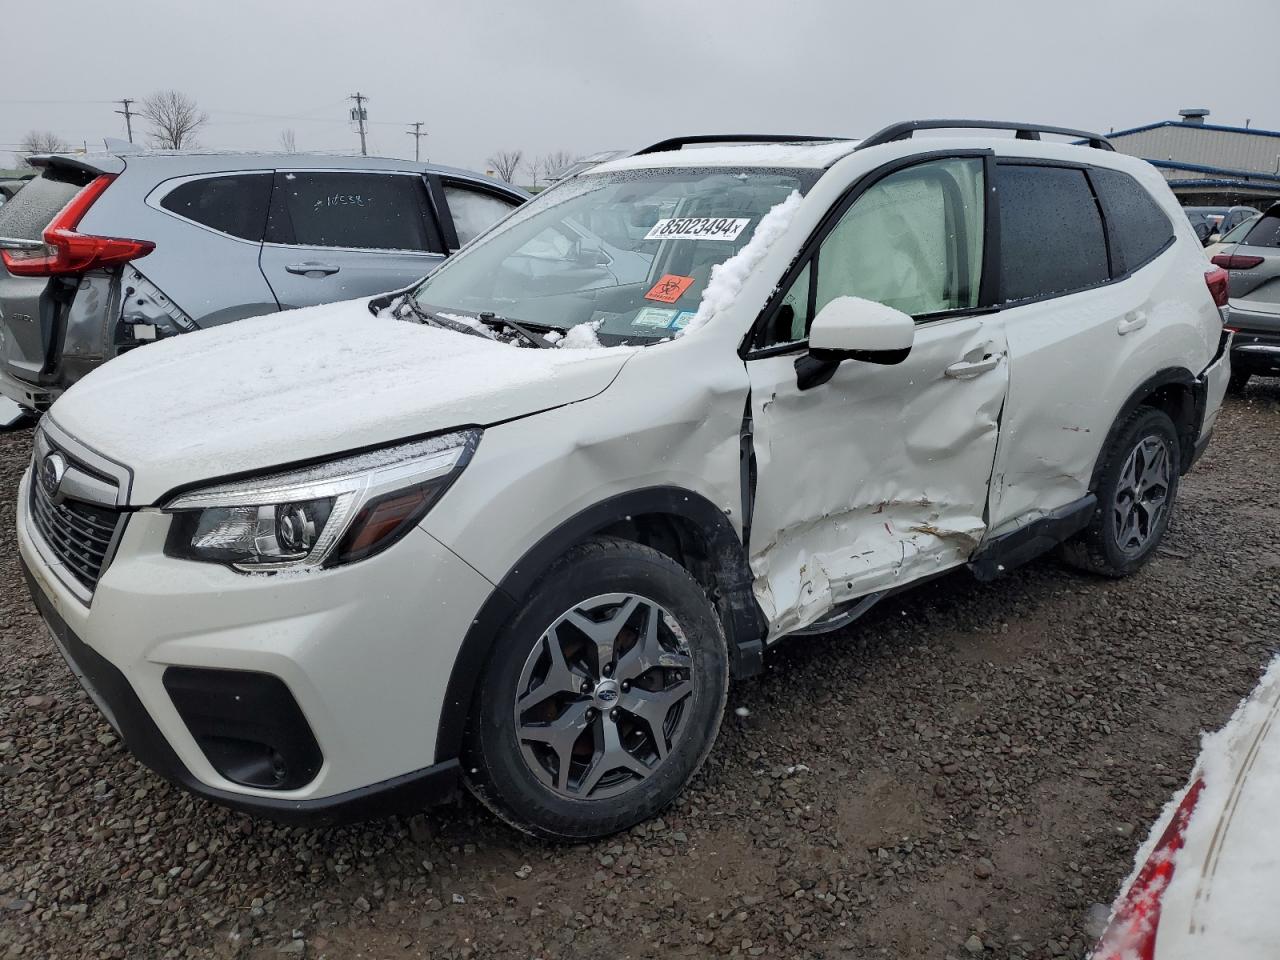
x,y
52,469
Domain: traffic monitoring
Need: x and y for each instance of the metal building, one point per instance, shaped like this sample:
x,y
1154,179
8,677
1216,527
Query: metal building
x,y
1207,164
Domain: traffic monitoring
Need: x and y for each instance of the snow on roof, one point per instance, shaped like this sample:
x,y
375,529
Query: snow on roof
x,y
814,155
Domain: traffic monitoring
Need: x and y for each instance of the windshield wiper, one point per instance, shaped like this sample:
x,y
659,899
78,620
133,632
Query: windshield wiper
x,y
435,320
537,339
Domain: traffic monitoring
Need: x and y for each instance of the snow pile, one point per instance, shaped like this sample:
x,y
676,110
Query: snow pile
x,y
581,337
727,278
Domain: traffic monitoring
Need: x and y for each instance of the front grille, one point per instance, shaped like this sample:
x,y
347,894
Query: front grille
x,y
79,534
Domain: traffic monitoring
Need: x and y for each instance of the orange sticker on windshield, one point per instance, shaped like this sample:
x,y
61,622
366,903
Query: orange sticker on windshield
x,y
669,289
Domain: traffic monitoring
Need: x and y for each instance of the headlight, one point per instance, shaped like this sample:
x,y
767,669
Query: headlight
x,y
324,515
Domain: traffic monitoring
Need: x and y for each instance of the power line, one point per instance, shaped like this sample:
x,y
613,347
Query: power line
x,y
417,135
360,115
128,117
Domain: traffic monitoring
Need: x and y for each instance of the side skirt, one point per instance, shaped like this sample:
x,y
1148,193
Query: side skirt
x,y
1012,549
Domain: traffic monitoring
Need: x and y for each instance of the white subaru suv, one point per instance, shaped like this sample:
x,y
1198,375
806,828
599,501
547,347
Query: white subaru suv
x,y
519,525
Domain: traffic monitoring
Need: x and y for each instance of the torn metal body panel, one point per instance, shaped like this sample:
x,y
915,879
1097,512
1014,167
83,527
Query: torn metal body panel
x,y
892,489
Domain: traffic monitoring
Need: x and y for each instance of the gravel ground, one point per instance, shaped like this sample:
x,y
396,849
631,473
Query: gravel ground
x,y
965,773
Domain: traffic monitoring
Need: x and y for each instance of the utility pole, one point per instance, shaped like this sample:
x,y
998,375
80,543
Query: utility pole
x,y
360,116
417,135
128,116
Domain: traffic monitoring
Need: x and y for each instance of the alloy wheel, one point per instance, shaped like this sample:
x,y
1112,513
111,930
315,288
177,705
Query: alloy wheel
x,y
1142,495
604,696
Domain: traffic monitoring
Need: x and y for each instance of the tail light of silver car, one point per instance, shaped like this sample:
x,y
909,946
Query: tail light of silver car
x,y
67,251
1235,261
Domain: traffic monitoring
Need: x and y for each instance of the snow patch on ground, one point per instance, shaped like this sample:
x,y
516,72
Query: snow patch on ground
x,y
727,278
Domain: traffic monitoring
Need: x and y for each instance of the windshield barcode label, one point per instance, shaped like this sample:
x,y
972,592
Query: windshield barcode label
x,y
698,228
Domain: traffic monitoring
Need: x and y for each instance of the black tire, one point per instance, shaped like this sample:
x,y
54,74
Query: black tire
x,y
1098,548
498,772
1238,381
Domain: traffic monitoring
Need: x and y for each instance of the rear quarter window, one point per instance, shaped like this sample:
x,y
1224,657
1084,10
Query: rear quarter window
x,y
1139,229
1264,233
35,205
234,203
1051,237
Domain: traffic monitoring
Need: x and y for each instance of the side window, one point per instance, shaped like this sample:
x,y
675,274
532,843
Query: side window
x,y
474,211
234,204
912,241
1138,228
369,211
1051,240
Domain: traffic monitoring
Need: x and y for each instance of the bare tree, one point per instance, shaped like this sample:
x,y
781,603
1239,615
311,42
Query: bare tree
x,y
505,163
174,119
288,141
555,161
39,141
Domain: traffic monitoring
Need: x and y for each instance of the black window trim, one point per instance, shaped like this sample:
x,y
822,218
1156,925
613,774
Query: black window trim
x,y
436,183
989,294
809,252
155,199
425,205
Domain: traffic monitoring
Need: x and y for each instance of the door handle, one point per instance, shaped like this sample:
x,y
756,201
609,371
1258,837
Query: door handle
x,y
968,369
1131,322
313,270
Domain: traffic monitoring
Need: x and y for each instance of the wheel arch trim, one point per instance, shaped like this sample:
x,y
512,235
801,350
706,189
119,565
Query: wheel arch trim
x,y
1188,430
743,622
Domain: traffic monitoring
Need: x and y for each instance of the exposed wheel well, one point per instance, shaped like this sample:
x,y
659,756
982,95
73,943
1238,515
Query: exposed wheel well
x,y
1181,402
678,538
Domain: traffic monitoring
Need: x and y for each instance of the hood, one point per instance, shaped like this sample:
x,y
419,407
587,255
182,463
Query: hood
x,y
308,384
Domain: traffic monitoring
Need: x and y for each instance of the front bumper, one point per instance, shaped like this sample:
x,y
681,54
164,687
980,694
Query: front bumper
x,y
365,650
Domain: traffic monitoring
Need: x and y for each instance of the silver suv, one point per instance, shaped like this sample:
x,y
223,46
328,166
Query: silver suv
x,y
105,253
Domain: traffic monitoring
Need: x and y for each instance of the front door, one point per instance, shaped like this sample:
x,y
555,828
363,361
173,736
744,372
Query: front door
x,y
337,235
880,475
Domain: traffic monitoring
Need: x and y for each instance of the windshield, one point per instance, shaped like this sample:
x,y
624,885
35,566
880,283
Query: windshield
x,y
628,252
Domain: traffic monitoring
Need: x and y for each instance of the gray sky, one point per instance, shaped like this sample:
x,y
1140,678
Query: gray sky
x,y
585,75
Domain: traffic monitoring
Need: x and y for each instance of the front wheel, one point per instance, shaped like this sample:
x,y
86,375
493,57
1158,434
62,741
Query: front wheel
x,y
1136,490
602,697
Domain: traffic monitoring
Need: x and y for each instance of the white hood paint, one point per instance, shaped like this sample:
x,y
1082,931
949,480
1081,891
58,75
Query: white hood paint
x,y
305,384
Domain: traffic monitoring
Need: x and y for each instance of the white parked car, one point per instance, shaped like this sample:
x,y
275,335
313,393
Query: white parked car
x,y
520,525
1205,879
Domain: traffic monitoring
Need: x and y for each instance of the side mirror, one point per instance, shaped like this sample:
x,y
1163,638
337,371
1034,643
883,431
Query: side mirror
x,y
850,328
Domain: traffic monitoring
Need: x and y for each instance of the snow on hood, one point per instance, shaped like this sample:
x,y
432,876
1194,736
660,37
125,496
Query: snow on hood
x,y
304,384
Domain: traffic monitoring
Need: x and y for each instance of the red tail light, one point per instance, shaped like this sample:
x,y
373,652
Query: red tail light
x,y
1234,262
1132,932
66,251
1216,280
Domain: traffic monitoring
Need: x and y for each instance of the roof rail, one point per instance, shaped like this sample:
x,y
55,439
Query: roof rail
x,y
1022,131
677,143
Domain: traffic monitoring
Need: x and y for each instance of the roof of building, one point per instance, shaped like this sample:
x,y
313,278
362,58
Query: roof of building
x,y
1204,147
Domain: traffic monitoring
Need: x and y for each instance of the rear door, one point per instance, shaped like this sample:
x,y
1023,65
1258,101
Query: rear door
x,y
336,234
29,306
1087,316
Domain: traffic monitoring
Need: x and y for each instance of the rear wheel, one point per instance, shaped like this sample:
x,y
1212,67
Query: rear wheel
x,y
1136,491
1238,381
603,695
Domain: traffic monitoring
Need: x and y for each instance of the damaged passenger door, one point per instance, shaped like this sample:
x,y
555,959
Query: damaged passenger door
x,y
869,475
